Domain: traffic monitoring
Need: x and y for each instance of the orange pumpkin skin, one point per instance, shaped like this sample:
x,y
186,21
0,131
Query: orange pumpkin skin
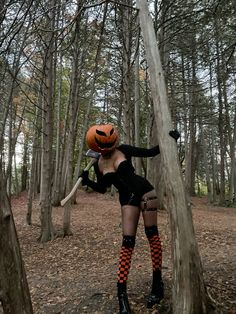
x,y
102,138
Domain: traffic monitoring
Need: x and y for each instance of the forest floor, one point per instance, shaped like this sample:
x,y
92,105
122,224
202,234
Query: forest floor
x,y
77,274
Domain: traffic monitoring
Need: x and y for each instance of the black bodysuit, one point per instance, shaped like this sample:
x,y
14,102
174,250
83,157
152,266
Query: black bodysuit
x,y
131,187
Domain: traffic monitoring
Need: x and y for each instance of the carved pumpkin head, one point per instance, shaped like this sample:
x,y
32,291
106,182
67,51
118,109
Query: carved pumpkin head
x,y
102,138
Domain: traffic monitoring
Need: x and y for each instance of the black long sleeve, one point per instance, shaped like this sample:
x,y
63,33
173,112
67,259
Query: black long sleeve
x,y
100,185
96,186
130,151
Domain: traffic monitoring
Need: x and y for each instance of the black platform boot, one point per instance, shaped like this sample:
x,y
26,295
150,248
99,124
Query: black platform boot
x,y
157,292
123,300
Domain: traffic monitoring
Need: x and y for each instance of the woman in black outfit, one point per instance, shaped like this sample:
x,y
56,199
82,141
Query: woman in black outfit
x,y
136,195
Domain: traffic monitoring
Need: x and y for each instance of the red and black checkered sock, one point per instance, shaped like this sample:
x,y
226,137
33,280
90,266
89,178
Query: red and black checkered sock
x,y
155,246
125,259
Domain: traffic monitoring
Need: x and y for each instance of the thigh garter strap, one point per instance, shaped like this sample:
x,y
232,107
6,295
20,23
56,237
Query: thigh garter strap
x,y
145,200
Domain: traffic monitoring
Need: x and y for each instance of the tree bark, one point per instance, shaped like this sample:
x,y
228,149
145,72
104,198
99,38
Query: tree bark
x,y
221,117
126,70
212,135
58,158
47,231
33,168
72,121
137,108
24,168
14,291
189,292
191,154
206,165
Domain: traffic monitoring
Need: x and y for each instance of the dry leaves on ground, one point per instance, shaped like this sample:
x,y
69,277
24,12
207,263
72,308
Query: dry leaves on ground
x,y
77,274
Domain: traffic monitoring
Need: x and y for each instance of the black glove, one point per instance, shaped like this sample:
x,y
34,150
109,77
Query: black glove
x,y
84,176
175,134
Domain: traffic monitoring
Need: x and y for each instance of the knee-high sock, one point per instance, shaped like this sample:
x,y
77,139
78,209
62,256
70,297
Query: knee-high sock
x,y
155,247
125,260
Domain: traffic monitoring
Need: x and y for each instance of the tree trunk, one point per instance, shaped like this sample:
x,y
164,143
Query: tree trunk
x,y
189,292
56,189
16,181
57,169
212,135
221,117
24,168
137,108
126,70
10,148
206,165
14,291
155,170
72,121
47,232
33,168
191,160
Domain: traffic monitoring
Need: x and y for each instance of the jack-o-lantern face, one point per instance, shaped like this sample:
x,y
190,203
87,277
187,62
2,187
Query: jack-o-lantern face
x,y
102,138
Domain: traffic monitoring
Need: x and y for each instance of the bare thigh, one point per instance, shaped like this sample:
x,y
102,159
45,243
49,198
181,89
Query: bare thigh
x,y
130,218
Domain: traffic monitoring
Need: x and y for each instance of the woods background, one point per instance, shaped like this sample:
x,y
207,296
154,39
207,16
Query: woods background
x,y
65,65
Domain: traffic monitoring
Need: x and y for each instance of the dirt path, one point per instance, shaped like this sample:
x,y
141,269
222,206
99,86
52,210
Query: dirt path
x,y
78,274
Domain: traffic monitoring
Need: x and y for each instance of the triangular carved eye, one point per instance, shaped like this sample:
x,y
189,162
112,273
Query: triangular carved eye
x,y
112,131
101,133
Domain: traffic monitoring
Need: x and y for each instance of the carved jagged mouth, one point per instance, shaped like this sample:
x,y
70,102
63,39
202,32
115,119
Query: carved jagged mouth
x,y
105,145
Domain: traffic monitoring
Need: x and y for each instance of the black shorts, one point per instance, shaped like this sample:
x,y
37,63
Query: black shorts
x,y
129,199
141,186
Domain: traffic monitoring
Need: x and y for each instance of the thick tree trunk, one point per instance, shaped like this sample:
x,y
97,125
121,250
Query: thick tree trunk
x,y
126,69
58,158
191,155
189,293
47,231
137,109
72,121
155,170
14,291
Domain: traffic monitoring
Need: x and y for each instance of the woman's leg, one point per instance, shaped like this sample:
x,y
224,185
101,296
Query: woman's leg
x,y
151,230
130,217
